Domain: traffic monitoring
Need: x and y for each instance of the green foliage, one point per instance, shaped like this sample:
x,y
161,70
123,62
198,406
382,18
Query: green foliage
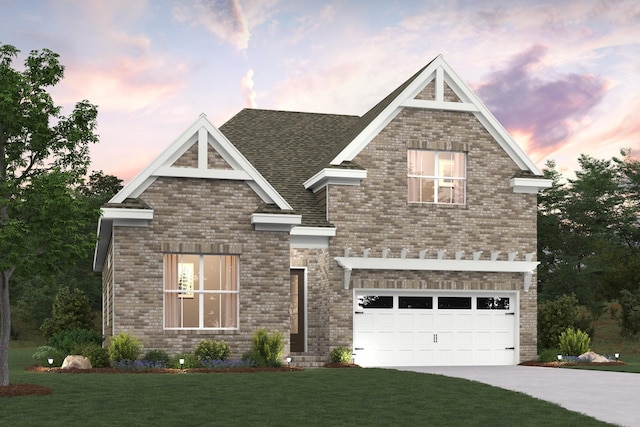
x,y
98,355
67,340
45,352
556,316
341,355
549,355
574,342
71,310
212,350
629,317
266,348
124,347
43,157
190,361
157,355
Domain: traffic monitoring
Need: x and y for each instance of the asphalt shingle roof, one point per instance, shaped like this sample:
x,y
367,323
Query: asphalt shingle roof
x,y
287,148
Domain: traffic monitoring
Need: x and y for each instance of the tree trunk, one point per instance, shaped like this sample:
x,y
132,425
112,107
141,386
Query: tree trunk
x,y
5,326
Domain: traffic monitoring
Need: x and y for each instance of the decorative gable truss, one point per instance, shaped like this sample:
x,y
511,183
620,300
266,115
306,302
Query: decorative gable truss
x,y
449,93
202,151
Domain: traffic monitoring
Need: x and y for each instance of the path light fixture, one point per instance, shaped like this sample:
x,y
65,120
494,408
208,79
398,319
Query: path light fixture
x,y
181,363
559,358
50,360
617,355
288,361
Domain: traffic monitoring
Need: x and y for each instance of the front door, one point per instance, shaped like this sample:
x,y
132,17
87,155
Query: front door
x,y
297,310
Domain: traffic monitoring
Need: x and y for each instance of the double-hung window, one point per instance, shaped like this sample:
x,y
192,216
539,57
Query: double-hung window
x,y
201,291
436,177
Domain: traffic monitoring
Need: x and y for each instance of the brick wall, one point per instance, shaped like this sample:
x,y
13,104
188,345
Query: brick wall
x,y
377,215
208,213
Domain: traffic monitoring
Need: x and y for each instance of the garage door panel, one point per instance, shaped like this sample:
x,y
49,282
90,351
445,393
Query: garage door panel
x,y
413,334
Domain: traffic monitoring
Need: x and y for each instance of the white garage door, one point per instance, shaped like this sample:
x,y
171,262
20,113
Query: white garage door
x,y
430,329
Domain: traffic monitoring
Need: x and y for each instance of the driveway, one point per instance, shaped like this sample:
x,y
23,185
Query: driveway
x,y
613,397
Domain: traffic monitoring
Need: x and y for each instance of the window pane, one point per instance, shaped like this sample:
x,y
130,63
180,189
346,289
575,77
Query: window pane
x,y
375,301
414,189
459,165
493,303
427,190
428,163
413,162
189,309
212,273
454,303
424,303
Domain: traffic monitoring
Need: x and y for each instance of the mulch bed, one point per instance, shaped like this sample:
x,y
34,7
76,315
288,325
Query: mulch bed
x,y
13,390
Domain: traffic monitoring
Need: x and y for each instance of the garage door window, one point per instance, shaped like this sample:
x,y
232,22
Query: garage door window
x,y
454,303
375,301
493,303
419,303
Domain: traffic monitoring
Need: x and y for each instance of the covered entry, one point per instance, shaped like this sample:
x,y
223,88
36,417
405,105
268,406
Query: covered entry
x,y
428,328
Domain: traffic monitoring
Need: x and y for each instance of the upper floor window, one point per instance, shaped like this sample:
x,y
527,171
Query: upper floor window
x,y
200,291
436,176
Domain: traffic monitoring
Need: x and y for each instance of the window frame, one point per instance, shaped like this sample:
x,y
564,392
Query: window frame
x,y
438,179
197,293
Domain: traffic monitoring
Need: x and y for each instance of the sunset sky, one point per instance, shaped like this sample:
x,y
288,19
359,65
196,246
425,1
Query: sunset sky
x,y
562,76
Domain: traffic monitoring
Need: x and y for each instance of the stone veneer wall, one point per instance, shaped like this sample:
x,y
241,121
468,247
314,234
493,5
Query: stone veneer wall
x,y
211,214
377,215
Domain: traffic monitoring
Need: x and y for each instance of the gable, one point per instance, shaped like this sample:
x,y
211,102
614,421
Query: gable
x,y
202,151
435,87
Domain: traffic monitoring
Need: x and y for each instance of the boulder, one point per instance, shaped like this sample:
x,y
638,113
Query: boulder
x,y
76,362
593,357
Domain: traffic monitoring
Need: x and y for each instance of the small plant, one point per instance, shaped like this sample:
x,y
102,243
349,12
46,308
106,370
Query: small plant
x,y
157,356
340,355
227,364
549,355
212,350
124,346
137,365
266,348
98,355
46,352
67,340
190,361
574,342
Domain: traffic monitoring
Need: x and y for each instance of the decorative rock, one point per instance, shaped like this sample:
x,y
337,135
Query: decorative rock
x,y
593,357
77,362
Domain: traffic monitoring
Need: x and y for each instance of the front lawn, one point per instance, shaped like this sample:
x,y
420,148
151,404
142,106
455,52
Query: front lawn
x,y
311,397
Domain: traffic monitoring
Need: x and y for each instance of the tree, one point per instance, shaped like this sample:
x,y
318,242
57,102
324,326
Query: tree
x,y
43,158
589,233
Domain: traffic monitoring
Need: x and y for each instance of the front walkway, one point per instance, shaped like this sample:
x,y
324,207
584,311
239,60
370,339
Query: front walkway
x,y
613,397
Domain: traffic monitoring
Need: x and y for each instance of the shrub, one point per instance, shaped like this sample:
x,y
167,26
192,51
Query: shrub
x,y
266,348
340,355
556,316
71,310
67,340
98,355
227,364
212,350
158,357
190,361
549,355
137,365
574,342
629,316
44,352
124,346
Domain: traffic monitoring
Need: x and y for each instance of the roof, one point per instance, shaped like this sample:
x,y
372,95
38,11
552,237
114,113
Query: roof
x,y
286,147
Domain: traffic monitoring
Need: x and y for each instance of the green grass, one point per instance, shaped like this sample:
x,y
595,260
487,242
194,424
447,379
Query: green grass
x,y
311,397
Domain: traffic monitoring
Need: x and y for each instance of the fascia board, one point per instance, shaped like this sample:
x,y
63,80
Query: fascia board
x,y
104,232
529,185
335,175
285,219
123,213
313,231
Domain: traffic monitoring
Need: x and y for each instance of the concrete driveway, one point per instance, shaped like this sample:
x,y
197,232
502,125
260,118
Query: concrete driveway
x,y
613,397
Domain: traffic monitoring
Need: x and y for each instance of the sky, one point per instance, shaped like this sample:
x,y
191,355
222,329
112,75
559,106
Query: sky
x,y
563,77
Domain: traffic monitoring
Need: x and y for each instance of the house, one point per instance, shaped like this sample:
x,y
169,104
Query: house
x,y
407,234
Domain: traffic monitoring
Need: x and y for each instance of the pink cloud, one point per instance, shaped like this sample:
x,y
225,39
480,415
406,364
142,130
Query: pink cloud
x,y
246,84
546,109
